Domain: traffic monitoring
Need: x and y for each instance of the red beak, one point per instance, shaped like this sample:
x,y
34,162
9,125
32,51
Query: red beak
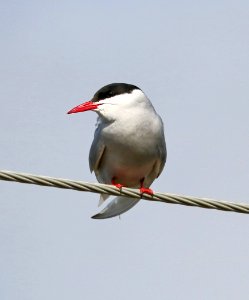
x,y
89,105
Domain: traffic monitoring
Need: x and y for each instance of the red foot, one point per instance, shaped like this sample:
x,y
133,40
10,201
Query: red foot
x,y
117,185
144,190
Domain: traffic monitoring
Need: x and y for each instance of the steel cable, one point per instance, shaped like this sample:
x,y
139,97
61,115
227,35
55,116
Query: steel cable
x,y
112,190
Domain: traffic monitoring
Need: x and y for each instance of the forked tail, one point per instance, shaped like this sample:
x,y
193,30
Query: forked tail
x,y
116,207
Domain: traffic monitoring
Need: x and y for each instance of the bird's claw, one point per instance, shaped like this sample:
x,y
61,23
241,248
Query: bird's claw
x,y
144,190
117,185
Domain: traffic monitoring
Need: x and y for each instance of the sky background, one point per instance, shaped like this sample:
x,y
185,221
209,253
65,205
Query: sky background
x,y
192,60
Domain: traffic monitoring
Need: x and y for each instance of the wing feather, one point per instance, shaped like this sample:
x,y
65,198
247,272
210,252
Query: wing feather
x,y
97,151
162,155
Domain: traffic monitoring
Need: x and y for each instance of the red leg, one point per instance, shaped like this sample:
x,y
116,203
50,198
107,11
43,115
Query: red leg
x,y
117,185
144,190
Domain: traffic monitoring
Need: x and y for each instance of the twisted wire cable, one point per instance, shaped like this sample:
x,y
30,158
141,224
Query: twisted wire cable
x,y
112,190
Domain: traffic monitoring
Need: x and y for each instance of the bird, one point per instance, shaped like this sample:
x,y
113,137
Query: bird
x,y
129,148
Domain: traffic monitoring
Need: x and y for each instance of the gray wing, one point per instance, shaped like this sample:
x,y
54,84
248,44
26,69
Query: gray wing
x,y
96,155
97,151
162,155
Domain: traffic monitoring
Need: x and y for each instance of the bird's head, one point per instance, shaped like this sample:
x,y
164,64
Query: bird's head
x,y
112,100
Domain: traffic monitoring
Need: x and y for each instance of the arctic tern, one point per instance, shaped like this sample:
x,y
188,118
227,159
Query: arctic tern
x,y
129,147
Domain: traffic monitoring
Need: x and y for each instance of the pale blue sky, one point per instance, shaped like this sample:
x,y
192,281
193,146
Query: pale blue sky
x,y
192,59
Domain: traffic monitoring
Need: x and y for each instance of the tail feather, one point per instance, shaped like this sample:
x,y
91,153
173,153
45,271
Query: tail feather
x,y
116,207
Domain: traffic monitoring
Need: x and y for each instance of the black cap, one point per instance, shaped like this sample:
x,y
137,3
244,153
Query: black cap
x,y
114,89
